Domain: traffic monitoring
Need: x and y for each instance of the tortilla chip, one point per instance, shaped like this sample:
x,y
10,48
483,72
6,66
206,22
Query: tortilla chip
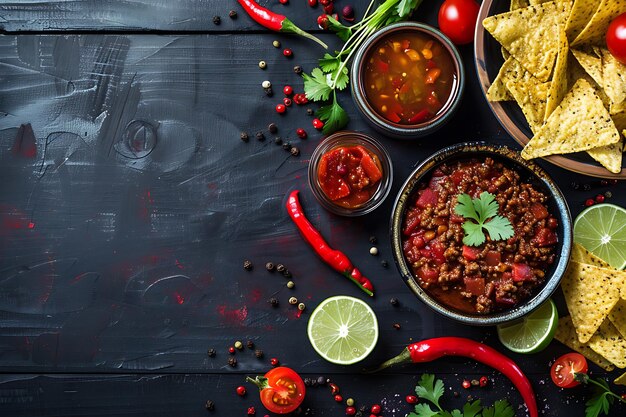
x,y
579,123
596,28
497,90
558,86
613,78
609,343
518,4
581,14
609,156
531,35
590,295
618,317
566,334
620,380
582,255
590,62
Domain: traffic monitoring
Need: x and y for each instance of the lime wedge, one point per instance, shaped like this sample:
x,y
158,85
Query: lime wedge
x,y
343,329
601,229
532,333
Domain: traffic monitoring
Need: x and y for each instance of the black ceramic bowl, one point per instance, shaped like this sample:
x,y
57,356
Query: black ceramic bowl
x,y
403,131
530,173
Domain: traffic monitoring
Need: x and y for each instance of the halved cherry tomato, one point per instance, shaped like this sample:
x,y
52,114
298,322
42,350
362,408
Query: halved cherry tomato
x,y
564,368
457,20
616,38
282,390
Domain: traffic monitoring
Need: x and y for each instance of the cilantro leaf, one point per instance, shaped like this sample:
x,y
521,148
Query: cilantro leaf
x,y
472,409
484,210
343,32
423,410
429,389
340,77
329,63
315,85
601,401
405,7
333,116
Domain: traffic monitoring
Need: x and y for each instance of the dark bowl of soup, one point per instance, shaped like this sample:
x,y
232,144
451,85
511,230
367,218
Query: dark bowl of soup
x,y
407,80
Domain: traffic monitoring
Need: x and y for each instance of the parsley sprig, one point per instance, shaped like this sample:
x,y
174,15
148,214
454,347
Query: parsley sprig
x,y
602,398
432,390
484,211
332,74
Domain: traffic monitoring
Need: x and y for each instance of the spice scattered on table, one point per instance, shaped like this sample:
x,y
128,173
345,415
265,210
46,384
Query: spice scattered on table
x,y
238,345
232,362
250,344
232,14
217,20
274,302
373,251
294,151
293,300
241,390
211,353
247,265
209,405
276,44
244,136
281,108
301,306
290,284
272,127
287,52
258,353
262,64
260,136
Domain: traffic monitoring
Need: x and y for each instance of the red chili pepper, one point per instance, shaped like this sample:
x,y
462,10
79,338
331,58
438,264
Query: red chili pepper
x,y
334,258
431,349
274,21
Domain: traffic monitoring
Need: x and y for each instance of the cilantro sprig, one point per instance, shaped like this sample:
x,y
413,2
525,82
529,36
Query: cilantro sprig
x,y
332,74
484,211
432,390
602,398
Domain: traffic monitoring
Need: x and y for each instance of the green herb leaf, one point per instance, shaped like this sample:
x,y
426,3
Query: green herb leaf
x,y
316,86
405,7
501,408
341,78
601,400
472,409
423,410
329,63
333,116
429,389
343,32
483,210
455,413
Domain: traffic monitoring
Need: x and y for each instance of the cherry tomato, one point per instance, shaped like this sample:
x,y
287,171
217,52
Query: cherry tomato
x,y
282,390
616,38
457,20
563,370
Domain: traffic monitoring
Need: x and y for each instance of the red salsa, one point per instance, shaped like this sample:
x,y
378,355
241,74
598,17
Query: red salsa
x,y
349,175
496,275
409,77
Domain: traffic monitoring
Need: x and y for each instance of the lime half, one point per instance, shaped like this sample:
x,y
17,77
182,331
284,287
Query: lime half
x,y
601,229
343,329
533,333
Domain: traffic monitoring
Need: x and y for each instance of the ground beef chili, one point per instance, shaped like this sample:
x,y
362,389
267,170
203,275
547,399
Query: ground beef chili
x,y
496,275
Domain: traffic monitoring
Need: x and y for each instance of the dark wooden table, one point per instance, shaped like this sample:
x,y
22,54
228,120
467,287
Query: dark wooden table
x,y
121,265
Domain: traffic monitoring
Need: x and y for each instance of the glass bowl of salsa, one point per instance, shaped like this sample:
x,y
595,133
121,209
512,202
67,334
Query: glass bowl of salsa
x,y
407,80
350,173
481,235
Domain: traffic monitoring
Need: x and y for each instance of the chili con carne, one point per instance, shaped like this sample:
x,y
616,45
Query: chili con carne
x,y
274,21
431,349
334,258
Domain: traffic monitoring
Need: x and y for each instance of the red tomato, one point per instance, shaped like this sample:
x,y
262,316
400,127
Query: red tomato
x,y
563,370
616,38
282,390
457,20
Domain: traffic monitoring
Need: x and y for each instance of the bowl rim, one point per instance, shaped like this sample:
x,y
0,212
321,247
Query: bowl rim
x,y
406,131
384,188
480,37
467,149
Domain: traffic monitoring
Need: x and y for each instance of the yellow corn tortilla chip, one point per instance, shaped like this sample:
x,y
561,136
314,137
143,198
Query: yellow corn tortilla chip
x,y
566,334
618,317
590,295
497,90
582,255
518,4
620,380
579,123
613,78
530,34
590,62
581,14
609,156
594,31
558,86
608,342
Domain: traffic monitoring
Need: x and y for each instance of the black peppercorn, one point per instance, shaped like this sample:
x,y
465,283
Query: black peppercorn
x,y
281,268
211,353
269,92
232,14
297,69
244,136
586,187
287,146
269,266
209,405
217,20
250,344
394,301
363,408
274,302
294,151
247,265
321,380
258,353
232,361
286,273
272,128
384,263
396,326
260,136
310,112
456,394
278,140
373,240
307,382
